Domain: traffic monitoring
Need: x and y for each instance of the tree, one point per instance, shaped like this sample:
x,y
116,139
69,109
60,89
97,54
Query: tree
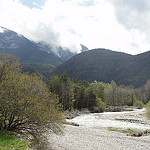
x,y
99,89
26,104
54,84
108,92
79,95
8,64
143,93
91,99
148,109
67,94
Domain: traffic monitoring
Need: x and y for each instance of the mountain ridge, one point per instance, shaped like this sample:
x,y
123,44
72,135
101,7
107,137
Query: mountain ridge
x,y
106,65
97,64
24,49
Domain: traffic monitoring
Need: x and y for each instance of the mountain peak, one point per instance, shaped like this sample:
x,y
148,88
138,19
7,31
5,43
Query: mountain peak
x,y
83,48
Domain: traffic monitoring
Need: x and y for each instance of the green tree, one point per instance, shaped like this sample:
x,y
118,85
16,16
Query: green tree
x,y
99,89
100,106
79,95
108,92
67,94
143,93
91,99
148,109
54,84
8,64
26,104
63,87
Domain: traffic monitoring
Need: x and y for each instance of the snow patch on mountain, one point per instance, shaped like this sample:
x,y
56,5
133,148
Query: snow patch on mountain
x,y
19,35
2,29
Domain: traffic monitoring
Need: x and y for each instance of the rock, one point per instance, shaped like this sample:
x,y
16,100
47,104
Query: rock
x,y
137,134
114,109
72,123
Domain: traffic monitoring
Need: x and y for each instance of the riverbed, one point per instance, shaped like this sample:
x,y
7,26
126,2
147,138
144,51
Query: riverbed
x,y
128,119
92,132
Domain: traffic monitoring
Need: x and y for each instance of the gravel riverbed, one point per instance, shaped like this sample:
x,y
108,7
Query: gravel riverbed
x,y
92,133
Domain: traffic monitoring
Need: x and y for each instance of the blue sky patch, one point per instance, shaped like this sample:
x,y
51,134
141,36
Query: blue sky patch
x,y
87,3
33,3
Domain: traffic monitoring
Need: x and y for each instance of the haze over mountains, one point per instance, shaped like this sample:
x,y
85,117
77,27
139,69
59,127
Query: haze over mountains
x,y
17,44
35,57
99,64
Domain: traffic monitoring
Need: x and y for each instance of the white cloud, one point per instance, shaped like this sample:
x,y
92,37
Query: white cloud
x,y
94,23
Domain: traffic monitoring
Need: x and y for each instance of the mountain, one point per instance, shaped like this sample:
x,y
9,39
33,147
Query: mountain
x,y
83,48
63,53
24,49
106,65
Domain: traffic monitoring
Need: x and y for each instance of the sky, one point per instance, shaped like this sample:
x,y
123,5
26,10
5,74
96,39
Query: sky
x,y
119,25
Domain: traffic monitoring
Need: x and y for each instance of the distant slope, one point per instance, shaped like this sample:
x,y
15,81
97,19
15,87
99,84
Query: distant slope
x,y
62,53
140,69
26,50
44,69
106,65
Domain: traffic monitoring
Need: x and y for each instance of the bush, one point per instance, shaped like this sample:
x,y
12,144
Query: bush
x,y
138,104
25,103
148,109
100,107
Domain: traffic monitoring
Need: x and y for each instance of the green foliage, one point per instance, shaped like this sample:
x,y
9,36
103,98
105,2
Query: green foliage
x,y
113,129
79,94
43,69
143,93
98,88
129,131
119,95
148,109
63,87
25,102
138,104
91,99
95,96
100,106
10,142
106,65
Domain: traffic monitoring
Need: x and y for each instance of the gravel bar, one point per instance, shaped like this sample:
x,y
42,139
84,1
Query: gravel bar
x,y
99,138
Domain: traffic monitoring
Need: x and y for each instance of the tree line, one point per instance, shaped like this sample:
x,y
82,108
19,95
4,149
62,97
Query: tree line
x,y
96,96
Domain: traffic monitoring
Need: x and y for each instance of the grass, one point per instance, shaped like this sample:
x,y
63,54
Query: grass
x,y
10,142
112,129
132,132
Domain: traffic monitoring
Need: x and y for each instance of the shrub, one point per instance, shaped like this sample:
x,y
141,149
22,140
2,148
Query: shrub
x,y
25,103
100,106
138,104
148,109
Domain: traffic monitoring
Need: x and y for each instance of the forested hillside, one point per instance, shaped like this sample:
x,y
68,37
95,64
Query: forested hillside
x,y
106,65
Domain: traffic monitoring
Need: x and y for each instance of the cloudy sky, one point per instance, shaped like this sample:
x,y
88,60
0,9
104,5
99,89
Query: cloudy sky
x,y
120,25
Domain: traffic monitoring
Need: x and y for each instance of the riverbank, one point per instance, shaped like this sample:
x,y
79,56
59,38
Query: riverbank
x,y
91,135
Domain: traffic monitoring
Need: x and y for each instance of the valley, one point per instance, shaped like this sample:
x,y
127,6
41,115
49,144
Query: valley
x,y
98,64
